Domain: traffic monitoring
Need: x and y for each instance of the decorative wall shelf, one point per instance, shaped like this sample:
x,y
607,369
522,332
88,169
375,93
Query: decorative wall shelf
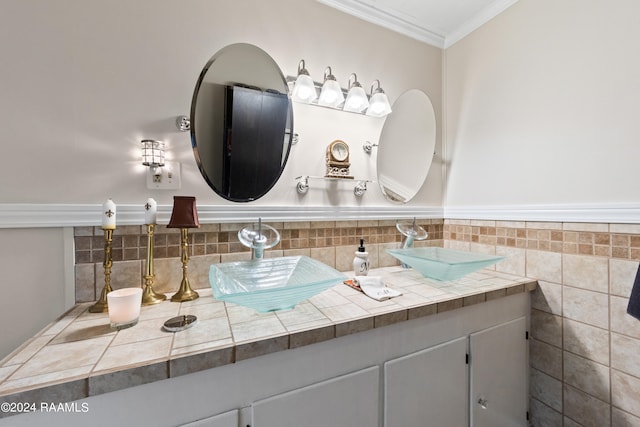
x,y
359,189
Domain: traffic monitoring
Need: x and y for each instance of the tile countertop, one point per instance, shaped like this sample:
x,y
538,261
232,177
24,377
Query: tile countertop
x,y
79,355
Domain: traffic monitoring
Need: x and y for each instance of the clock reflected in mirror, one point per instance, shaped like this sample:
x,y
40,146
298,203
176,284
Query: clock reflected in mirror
x,y
337,160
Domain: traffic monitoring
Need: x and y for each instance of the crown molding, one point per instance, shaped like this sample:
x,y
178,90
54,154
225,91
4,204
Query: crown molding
x,y
395,23
478,20
386,20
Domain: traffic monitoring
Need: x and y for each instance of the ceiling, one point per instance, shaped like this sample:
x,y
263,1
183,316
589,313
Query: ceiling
x,y
440,23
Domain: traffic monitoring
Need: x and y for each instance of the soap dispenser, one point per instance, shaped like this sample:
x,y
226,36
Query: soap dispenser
x,y
361,261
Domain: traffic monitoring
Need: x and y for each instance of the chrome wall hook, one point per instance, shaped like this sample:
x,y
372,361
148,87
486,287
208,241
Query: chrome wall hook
x,y
183,123
303,184
360,188
368,146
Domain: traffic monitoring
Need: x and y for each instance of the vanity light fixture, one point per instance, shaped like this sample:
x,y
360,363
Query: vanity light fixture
x,y
304,90
153,155
356,101
379,103
331,93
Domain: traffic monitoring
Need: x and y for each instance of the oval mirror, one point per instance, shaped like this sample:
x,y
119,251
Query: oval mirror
x,y
241,121
406,147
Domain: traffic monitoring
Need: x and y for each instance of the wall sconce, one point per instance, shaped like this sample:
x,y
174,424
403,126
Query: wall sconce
x,y
379,102
331,94
357,100
304,89
153,155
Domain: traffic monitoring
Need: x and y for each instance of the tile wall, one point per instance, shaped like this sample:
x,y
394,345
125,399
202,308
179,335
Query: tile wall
x,y
332,242
584,348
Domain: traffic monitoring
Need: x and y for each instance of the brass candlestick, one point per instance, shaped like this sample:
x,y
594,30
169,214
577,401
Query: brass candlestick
x,y
149,296
185,293
101,305
184,216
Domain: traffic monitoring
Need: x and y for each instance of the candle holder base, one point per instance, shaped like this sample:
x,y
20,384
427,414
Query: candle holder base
x,y
185,293
99,307
150,297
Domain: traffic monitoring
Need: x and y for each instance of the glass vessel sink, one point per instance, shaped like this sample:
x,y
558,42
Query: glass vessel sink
x,y
272,283
443,264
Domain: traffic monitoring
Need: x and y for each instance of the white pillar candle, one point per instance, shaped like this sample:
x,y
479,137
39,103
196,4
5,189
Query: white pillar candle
x,y
124,307
150,212
109,215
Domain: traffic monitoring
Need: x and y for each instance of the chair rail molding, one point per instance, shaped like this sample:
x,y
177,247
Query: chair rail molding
x,y
623,213
22,215
78,215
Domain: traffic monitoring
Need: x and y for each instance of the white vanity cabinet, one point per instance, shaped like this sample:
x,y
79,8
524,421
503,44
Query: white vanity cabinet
x,y
427,387
478,380
498,375
348,400
228,419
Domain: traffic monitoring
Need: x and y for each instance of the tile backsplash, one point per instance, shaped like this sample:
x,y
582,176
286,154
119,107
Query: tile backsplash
x,y
332,242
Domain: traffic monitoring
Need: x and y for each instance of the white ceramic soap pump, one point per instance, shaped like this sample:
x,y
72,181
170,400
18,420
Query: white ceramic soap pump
x,y
361,261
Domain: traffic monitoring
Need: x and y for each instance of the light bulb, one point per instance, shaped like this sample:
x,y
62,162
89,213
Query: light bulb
x,y
379,103
304,89
304,93
331,93
356,100
330,97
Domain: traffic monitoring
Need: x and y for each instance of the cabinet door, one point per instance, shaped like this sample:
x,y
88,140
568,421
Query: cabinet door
x,y
228,419
346,401
428,388
499,375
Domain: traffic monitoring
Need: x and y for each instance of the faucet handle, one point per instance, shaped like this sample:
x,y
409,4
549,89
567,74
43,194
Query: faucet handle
x,y
259,237
411,230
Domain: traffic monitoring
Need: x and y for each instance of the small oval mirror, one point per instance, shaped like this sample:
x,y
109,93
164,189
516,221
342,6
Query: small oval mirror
x,y
406,147
241,122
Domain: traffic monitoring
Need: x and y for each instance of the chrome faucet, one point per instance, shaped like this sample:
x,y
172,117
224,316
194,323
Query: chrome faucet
x,y
409,236
258,239
411,233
